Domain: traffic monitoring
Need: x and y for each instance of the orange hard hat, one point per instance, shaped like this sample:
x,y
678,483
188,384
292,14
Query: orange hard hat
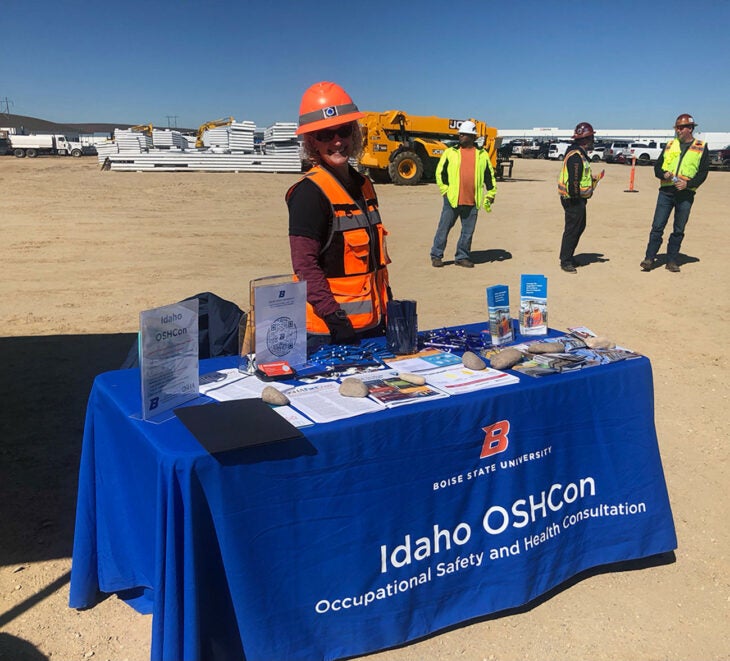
x,y
583,130
685,119
326,104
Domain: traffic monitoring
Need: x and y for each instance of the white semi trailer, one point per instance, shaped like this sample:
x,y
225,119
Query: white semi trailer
x,y
35,145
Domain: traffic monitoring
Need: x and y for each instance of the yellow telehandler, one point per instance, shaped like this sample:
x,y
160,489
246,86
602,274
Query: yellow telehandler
x,y
405,149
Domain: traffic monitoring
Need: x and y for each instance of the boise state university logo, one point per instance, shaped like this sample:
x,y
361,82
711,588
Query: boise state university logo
x,y
496,439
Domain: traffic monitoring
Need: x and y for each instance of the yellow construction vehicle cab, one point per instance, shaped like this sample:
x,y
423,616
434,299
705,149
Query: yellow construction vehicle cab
x,y
405,149
142,128
225,121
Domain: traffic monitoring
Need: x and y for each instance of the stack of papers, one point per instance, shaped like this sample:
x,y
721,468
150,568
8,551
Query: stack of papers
x,y
321,401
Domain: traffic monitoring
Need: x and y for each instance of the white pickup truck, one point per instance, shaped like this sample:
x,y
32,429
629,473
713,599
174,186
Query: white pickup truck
x,y
559,149
644,152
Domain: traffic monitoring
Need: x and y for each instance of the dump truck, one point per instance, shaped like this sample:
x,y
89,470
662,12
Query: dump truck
x,y
36,145
405,149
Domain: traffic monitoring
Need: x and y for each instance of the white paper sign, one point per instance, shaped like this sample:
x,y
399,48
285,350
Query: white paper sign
x,y
281,322
168,356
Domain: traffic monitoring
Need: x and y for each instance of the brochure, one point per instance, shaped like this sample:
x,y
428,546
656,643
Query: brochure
x,y
533,305
458,379
390,390
500,325
322,402
427,359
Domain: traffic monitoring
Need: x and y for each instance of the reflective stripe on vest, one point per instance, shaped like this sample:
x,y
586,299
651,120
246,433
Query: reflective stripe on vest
x,y
362,290
586,180
686,166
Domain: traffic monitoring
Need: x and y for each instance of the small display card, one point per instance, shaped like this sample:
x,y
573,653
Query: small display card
x,y
533,305
168,356
281,322
500,324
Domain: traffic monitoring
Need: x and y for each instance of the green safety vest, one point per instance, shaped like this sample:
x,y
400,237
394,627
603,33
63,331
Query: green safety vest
x,y
451,158
586,180
686,166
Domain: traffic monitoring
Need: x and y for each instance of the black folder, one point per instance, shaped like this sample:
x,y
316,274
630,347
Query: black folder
x,y
236,424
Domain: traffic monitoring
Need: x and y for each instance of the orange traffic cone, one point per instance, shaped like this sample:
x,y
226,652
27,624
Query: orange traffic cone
x,y
630,189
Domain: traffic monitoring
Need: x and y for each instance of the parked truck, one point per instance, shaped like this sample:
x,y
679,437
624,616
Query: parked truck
x,y
36,145
405,149
645,152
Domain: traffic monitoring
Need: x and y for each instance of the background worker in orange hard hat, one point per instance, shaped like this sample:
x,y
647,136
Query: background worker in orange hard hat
x,y
681,169
336,238
575,187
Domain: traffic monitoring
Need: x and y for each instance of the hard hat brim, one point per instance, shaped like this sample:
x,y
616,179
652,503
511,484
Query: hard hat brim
x,y
327,122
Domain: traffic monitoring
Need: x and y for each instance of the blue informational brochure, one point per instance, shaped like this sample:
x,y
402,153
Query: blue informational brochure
x,y
500,324
533,305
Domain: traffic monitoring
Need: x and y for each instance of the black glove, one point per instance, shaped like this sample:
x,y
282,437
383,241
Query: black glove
x,y
340,327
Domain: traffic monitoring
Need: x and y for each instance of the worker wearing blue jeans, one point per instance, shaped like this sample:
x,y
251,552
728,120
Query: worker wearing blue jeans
x,y
466,181
664,205
449,214
681,170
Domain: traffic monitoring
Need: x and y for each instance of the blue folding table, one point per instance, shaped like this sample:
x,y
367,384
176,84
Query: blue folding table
x,y
368,532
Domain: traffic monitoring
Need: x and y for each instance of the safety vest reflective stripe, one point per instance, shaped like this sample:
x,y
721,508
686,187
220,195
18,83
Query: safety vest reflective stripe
x,y
362,290
586,180
357,307
684,167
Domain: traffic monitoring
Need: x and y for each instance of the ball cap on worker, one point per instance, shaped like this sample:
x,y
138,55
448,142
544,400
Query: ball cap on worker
x,y
685,120
468,128
326,104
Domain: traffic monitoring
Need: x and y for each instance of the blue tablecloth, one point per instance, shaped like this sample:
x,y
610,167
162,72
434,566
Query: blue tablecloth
x,y
371,531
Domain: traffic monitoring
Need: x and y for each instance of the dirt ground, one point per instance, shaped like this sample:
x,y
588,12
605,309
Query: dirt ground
x,y
83,251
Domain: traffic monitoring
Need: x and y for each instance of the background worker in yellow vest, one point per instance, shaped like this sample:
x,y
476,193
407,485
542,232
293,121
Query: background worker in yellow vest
x,y
462,175
575,187
336,239
681,169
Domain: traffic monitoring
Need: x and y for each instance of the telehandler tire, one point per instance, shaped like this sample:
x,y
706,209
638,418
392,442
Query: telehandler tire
x,y
406,169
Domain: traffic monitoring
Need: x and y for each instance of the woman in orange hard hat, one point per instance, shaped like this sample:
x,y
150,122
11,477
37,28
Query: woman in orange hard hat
x,y
336,238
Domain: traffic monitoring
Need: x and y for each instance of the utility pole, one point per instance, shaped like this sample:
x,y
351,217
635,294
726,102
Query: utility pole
x,y
5,102
172,121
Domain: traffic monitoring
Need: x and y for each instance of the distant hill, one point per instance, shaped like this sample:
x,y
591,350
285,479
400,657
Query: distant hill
x,y
24,124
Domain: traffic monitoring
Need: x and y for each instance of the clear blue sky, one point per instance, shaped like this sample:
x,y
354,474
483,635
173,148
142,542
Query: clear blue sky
x,y
513,64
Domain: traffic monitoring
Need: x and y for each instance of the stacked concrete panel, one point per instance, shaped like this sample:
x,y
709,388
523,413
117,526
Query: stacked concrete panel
x,y
226,149
168,139
240,137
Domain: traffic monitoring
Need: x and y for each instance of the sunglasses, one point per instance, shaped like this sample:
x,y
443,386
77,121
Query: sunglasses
x,y
326,135
685,126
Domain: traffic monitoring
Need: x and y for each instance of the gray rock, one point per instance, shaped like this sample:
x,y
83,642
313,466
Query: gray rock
x,y
599,342
472,361
505,359
352,387
415,379
273,396
546,347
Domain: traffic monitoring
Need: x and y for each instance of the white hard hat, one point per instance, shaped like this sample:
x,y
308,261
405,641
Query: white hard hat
x,y
468,128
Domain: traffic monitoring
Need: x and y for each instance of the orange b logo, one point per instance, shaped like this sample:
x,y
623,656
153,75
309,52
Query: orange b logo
x,y
496,440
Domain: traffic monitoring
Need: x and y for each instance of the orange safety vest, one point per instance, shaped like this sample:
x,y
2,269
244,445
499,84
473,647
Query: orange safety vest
x,y
361,285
